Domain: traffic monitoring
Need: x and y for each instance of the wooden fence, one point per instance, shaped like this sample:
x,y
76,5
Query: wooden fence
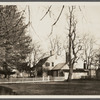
x,y
58,79
37,79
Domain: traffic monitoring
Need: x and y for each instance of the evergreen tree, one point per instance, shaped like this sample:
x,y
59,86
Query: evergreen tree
x,y
15,44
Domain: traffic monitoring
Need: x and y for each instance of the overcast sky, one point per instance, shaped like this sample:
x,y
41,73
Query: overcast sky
x,y
88,19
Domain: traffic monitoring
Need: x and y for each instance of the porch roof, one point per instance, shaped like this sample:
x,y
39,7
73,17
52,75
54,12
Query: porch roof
x,y
65,68
60,66
77,70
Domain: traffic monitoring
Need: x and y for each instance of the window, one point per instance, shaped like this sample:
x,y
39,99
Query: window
x,y
47,64
52,63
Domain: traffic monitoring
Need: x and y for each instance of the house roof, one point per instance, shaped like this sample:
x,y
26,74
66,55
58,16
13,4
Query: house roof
x,y
60,66
77,70
52,58
65,68
42,61
56,59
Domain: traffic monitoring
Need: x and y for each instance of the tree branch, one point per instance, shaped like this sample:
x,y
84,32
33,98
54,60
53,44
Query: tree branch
x,y
17,22
46,13
56,19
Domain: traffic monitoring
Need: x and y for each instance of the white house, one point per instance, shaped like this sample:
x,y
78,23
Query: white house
x,y
55,66
51,62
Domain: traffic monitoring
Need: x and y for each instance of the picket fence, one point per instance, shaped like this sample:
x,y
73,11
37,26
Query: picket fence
x,y
26,80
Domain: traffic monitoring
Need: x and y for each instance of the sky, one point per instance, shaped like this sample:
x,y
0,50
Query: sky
x,y
88,19
87,15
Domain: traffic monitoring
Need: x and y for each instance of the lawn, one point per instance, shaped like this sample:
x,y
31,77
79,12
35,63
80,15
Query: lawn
x,y
76,87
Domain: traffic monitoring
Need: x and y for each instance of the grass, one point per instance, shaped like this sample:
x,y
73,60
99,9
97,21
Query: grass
x,y
76,87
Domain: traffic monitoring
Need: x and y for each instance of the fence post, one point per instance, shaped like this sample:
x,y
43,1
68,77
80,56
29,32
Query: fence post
x,y
43,78
48,78
33,79
11,79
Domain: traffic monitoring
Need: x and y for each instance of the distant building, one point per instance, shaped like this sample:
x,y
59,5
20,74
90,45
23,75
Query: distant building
x,y
62,69
55,66
51,62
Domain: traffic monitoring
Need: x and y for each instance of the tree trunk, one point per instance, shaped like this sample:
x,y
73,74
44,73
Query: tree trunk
x,y
70,74
70,62
70,47
35,72
5,76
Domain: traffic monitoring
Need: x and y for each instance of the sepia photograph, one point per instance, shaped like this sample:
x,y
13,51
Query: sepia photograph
x,y
50,49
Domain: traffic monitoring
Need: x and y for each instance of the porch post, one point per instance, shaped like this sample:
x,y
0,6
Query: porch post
x,y
48,78
43,78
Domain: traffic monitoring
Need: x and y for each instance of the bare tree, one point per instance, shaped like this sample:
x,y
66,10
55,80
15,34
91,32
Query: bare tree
x,y
37,54
56,45
57,19
73,47
97,59
88,50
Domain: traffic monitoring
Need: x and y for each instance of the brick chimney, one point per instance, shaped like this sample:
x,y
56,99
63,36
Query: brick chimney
x,y
66,59
51,52
85,64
